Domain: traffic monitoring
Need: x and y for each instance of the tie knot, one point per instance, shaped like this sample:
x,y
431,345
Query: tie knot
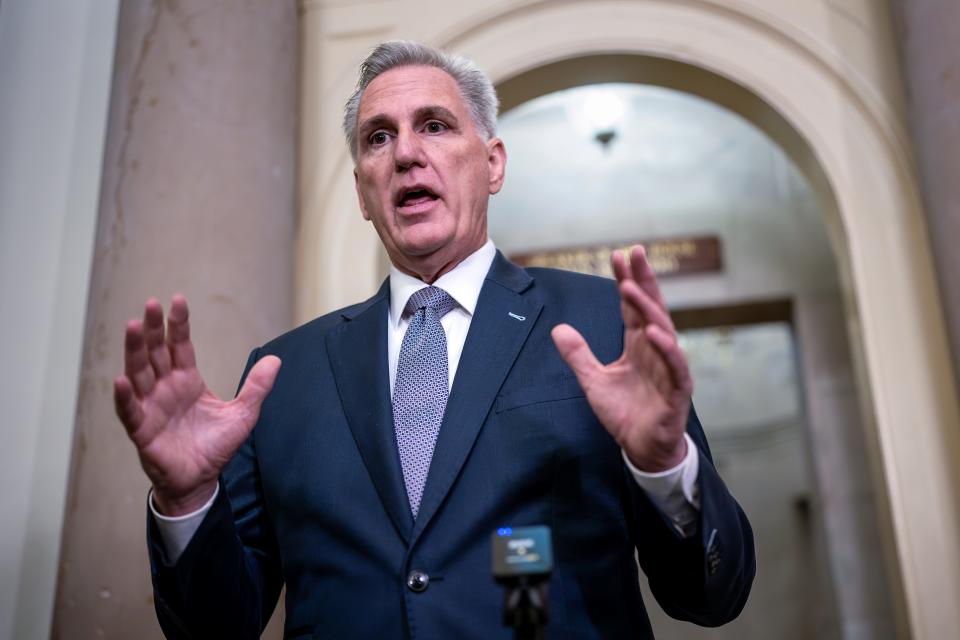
x,y
431,298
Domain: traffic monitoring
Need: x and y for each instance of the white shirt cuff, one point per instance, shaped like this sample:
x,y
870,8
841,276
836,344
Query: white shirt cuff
x,y
674,491
177,531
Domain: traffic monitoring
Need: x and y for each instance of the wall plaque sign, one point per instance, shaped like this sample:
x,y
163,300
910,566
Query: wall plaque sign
x,y
667,256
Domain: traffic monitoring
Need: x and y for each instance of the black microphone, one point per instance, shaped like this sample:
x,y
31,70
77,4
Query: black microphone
x,y
522,563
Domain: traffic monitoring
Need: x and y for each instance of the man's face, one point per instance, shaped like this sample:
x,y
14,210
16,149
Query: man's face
x,y
424,171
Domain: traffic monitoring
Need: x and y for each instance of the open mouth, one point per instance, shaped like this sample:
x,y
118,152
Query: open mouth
x,y
416,198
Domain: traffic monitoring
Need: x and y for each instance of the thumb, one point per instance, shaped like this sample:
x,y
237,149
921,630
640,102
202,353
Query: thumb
x,y
258,384
575,352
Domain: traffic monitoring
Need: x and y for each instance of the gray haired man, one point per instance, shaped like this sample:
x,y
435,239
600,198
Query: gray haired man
x,y
400,432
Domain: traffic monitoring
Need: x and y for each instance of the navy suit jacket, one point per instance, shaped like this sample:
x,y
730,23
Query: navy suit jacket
x,y
315,499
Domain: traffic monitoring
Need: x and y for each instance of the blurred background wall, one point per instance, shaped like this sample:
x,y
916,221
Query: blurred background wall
x,y
175,175
148,147
55,76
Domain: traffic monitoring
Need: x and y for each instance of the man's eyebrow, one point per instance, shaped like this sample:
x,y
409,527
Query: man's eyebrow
x,y
435,111
375,122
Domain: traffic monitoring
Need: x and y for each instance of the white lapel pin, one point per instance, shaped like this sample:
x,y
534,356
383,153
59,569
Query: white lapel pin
x,y
516,317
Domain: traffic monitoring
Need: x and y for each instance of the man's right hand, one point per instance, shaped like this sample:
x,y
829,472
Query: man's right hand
x,y
184,434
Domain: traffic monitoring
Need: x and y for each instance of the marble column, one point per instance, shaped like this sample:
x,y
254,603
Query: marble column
x,y
927,32
198,197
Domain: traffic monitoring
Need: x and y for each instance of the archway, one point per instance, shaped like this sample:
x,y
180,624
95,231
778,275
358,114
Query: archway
x,y
737,231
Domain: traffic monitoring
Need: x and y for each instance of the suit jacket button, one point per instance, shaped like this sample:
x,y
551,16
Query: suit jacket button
x,y
417,581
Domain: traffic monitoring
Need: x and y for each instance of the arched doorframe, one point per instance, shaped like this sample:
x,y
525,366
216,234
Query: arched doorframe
x,y
859,605
849,144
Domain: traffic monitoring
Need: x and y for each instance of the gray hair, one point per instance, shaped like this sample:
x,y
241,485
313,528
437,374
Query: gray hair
x,y
475,86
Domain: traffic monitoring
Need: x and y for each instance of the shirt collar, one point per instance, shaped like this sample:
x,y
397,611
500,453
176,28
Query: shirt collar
x,y
463,282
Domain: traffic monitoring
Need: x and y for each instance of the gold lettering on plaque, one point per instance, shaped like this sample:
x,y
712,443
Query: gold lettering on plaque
x,y
667,257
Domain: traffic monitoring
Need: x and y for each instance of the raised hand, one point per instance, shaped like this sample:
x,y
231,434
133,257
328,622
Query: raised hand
x,y
642,398
184,434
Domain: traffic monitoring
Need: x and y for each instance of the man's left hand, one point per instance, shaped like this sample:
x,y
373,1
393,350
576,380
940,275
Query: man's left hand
x,y
643,397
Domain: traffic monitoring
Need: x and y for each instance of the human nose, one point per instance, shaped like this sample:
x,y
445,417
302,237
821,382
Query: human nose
x,y
408,151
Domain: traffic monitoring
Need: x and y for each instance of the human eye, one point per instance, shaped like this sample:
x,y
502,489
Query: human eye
x,y
435,126
377,138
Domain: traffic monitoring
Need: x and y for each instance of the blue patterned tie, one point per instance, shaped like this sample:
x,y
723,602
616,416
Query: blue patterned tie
x,y
421,387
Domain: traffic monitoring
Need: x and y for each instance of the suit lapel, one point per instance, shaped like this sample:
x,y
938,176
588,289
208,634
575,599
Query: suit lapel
x,y
501,323
358,356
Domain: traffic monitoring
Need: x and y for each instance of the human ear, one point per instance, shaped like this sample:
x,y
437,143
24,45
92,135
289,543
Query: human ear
x,y
497,163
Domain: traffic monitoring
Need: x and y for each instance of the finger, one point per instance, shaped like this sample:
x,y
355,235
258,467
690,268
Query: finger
x,y
258,384
652,313
619,264
575,352
136,361
128,407
666,343
644,274
631,304
178,334
630,315
646,358
153,337
632,318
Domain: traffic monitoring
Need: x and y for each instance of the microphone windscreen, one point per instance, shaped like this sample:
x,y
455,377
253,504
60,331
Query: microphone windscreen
x,y
522,551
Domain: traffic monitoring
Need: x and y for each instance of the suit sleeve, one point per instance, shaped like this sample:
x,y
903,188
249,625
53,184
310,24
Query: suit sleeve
x,y
705,578
227,581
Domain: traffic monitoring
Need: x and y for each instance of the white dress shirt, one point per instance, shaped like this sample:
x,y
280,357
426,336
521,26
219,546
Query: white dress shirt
x,y
673,491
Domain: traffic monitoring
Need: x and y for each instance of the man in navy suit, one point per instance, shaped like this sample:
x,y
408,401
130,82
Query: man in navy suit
x,y
392,442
